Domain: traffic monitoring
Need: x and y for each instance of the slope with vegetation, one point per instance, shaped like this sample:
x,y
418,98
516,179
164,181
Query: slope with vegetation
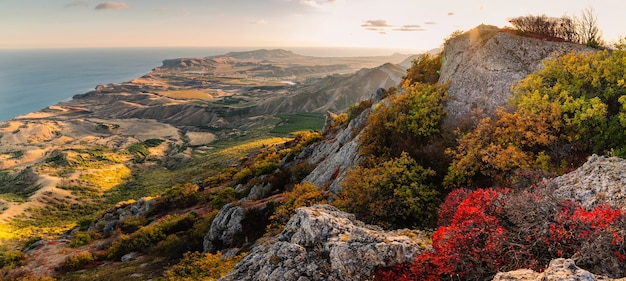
x,y
329,205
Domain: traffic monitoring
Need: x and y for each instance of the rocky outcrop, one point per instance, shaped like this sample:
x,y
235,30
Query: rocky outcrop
x,y
237,225
558,270
601,180
323,243
482,64
335,155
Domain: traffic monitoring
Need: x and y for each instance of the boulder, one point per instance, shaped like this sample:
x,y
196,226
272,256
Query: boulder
x,y
558,270
601,180
323,243
237,225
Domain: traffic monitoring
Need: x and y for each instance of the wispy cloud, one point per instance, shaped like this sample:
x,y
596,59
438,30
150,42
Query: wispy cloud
x,y
76,4
450,13
430,22
113,6
410,27
375,24
382,26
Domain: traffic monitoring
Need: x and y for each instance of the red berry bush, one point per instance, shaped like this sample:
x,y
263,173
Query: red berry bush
x,y
485,231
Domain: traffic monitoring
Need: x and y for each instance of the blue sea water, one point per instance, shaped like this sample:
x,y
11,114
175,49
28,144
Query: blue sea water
x,y
32,79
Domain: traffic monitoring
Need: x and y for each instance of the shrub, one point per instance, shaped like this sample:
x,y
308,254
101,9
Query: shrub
x,y
496,230
224,197
407,123
301,170
197,266
424,69
11,258
400,185
243,176
77,261
356,109
303,195
130,224
150,235
82,238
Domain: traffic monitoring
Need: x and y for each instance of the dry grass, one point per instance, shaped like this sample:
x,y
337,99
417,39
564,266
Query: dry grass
x,y
188,94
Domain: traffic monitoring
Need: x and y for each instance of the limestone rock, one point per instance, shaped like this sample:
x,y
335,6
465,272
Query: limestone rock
x,y
224,227
323,243
335,155
558,270
482,64
601,180
236,225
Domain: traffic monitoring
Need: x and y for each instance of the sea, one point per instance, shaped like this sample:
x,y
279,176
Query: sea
x,y
32,79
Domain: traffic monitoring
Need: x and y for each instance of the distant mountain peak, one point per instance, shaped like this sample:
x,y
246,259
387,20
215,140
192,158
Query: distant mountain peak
x,y
262,54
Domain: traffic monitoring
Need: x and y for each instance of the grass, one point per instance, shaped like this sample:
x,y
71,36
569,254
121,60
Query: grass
x,y
146,269
305,121
187,94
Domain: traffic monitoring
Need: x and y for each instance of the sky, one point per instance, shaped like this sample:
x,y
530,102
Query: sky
x,y
396,24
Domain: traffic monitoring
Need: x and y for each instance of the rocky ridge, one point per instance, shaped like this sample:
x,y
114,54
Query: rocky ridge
x,y
323,243
482,64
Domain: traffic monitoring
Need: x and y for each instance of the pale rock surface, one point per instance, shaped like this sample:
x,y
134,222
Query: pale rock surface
x,y
323,243
482,64
237,225
601,180
558,270
335,155
226,225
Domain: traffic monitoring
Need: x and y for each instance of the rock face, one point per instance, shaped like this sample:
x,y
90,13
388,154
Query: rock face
x,y
236,225
323,243
559,270
482,64
601,180
336,154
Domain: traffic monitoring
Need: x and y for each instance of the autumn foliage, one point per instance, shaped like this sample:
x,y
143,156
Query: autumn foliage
x,y
572,108
495,230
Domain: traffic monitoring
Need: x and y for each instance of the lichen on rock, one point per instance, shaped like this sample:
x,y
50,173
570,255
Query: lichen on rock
x,y
323,243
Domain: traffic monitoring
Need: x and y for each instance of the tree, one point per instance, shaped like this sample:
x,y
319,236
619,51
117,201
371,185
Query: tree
x,y
587,28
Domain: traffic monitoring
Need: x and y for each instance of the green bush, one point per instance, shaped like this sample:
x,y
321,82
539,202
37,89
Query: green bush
x,y
148,236
224,197
198,266
11,258
243,176
77,261
83,238
393,194
303,195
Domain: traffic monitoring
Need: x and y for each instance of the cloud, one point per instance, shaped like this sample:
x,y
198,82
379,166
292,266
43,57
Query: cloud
x,y
76,4
410,27
450,13
375,24
261,21
113,6
316,3
430,22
